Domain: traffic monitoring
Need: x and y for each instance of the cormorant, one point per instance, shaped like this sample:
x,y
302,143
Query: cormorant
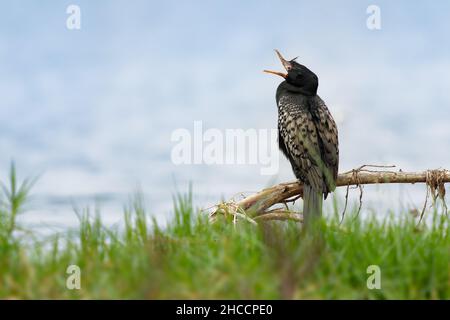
x,y
307,135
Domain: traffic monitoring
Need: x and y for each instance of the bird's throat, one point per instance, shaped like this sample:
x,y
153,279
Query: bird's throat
x,y
297,90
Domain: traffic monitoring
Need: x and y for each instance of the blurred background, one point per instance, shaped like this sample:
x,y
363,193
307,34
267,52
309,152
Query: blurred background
x,y
92,111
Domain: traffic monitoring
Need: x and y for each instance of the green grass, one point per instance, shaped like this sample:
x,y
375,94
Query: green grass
x,y
192,258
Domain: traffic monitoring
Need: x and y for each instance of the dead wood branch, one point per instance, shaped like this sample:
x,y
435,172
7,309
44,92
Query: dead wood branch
x,y
257,205
279,215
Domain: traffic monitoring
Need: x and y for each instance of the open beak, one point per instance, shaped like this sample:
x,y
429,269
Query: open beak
x,y
286,64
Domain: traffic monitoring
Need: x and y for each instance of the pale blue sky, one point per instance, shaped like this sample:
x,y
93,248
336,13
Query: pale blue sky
x,y
94,109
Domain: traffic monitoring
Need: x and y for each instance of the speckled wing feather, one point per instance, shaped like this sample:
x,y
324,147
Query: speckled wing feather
x,y
328,133
309,140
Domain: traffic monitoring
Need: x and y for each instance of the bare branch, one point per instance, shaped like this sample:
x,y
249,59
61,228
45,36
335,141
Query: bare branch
x,y
280,215
258,203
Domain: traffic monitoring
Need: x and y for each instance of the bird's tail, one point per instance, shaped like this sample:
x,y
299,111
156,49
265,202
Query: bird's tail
x,y
312,204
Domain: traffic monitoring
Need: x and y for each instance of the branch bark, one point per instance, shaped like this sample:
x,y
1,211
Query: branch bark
x,y
257,204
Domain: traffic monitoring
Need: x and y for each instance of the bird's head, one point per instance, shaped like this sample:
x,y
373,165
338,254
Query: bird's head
x,y
298,76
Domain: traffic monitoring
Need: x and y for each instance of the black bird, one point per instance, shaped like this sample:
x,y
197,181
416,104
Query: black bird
x,y
307,135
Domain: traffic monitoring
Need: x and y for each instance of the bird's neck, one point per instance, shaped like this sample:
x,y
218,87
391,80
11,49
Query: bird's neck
x,y
287,88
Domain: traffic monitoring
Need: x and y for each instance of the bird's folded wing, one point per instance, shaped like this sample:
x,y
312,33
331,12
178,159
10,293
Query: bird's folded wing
x,y
328,134
300,136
